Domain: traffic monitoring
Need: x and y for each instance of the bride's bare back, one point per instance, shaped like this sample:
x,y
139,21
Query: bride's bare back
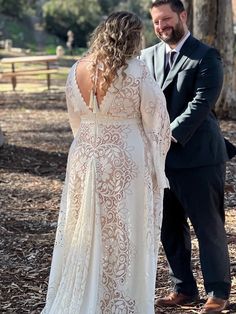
x,y
85,80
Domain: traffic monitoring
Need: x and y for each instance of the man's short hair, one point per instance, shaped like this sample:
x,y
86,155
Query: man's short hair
x,y
176,5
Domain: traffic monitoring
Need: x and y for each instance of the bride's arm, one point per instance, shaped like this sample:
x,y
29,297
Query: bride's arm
x,y
73,112
156,124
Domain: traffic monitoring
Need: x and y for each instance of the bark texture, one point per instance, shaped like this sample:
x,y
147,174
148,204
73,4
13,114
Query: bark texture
x,y
188,4
1,137
213,24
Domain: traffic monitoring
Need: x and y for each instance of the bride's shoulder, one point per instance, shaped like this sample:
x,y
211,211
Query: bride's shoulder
x,y
135,64
80,65
136,67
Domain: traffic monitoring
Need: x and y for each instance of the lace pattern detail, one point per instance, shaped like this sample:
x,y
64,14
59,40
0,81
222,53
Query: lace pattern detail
x,y
107,240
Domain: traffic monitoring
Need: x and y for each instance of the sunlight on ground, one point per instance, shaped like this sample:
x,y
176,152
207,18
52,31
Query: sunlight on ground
x,y
37,83
30,87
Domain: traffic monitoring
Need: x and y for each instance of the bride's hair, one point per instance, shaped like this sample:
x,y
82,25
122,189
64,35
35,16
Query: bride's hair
x,y
114,41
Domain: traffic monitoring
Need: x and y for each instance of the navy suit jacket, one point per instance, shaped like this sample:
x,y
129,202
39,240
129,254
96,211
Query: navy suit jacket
x,y
192,88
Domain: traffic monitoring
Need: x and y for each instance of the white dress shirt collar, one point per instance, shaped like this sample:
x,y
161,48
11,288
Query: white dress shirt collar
x,y
180,44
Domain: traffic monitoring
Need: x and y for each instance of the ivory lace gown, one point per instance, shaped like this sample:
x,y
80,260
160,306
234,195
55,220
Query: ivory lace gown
x,y
107,240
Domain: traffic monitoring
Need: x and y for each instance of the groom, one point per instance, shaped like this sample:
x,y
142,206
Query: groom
x,y
190,75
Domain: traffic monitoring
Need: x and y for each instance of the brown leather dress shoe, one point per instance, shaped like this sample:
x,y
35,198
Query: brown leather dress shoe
x,y
175,298
214,305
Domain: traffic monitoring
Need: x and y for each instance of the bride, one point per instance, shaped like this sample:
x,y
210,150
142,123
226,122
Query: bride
x,y
107,239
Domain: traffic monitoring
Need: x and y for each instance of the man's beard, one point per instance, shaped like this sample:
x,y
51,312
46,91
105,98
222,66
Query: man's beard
x,y
175,36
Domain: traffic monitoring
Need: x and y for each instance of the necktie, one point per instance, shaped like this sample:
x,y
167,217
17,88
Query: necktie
x,y
169,63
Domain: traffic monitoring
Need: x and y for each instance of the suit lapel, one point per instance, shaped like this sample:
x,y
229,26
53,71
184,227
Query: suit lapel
x,y
184,55
159,63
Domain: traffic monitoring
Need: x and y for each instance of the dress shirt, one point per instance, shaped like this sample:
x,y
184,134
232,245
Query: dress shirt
x,y
176,49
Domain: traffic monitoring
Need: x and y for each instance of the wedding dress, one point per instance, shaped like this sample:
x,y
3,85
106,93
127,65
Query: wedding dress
x,y
107,240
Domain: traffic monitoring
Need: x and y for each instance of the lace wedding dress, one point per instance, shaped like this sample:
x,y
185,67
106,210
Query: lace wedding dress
x,y
107,240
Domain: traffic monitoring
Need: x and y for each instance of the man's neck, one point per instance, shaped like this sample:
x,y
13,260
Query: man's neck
x,y
181,41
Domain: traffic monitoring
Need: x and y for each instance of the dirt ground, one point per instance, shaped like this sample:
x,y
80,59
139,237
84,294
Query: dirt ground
x,y
32,170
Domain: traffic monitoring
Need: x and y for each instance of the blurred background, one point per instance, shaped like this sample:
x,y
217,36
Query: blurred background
x,y
35,135
36,27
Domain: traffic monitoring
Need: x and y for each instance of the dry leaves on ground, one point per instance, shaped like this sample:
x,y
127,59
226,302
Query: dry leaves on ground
x,y
32,170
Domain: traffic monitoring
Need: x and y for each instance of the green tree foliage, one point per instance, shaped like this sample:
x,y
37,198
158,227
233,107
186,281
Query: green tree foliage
x,y
141,8
108,6
16,8
80,16
11,7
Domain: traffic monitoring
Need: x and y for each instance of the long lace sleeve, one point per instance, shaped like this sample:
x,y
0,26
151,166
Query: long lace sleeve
x,y
156,124
73,112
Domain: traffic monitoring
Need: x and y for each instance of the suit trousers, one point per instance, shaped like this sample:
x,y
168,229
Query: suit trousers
x,y
196,194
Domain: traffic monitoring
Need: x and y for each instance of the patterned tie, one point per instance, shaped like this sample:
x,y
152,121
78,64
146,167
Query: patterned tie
x,y
169,63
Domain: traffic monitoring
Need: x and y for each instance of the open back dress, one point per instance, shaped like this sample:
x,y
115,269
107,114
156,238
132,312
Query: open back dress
x,y
108,234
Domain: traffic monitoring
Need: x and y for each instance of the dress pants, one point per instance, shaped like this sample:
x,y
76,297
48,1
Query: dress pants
x,y
197,194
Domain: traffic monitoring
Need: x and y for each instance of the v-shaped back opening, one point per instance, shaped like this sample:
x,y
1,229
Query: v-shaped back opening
x,y
84,84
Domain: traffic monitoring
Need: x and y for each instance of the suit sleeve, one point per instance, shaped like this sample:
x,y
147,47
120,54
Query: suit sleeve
x,y
156,124
207,89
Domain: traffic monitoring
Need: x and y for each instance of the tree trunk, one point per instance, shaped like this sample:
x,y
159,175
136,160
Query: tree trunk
x,y
188,4
1,138
215,27
225,44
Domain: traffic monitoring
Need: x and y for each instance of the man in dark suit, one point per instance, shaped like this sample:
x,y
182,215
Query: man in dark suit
x,y
191,76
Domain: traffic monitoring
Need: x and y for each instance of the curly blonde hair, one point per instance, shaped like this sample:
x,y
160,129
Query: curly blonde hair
x,y
114,41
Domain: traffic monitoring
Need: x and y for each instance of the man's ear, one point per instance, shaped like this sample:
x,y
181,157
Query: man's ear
x,y
183,16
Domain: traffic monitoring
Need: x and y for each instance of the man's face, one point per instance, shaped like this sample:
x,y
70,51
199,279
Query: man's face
x,y
169,26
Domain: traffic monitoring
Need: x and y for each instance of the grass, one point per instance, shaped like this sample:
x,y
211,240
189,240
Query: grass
x,y
30,87
22,34
17,31
38,83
